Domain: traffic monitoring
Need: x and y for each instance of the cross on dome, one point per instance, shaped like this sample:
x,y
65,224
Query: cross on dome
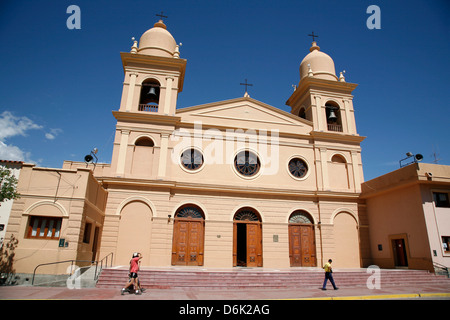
x,y
313,36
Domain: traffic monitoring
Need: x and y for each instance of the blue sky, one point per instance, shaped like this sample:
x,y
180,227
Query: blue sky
x,y
59,86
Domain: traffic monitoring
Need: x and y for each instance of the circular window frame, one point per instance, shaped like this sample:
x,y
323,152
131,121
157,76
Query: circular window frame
x,y
307,164
180,162
239,174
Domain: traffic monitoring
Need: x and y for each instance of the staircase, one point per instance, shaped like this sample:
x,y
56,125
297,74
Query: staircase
x,y
267,279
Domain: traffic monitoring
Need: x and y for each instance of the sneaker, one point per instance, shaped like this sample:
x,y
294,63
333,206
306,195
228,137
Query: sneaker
x,y
336,288
324,289
138,292
122,291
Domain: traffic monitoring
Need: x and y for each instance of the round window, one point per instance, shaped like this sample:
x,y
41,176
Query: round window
x,y
298,168
247,163
192,159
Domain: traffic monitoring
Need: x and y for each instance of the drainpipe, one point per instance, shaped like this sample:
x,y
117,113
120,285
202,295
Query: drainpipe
x,y
320,234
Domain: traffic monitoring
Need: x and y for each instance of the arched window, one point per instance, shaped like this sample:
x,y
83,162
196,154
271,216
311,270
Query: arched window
x,y
189,211
333,115
247,214
301,216
149,98
302,113
142,158
144,142
338,172
338,159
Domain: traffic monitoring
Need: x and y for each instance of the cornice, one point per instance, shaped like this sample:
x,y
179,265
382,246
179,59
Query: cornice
x,y
320,85
336,136
146,117
173,187
131,59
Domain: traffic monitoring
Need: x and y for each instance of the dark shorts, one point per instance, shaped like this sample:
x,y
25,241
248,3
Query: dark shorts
x,y
133,275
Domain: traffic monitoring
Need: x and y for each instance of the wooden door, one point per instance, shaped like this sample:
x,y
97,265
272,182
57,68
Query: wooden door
x,y
195,244
302,247
251,242
95,243
399,249
187,247
254,245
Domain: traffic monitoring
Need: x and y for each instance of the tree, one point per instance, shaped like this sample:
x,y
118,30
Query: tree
x,y
8,185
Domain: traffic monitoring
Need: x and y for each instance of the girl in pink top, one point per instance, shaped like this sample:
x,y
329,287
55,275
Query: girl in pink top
x,y
134,268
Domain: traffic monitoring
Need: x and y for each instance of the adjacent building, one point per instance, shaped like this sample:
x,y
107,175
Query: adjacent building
x,y
409,217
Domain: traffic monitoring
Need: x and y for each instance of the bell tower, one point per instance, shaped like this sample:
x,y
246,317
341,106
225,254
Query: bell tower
x,y
154,75
322,97
327,101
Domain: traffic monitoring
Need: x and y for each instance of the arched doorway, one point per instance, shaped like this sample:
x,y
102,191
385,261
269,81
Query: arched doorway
x,y
347,241
135,226
247,238
302,243
188,236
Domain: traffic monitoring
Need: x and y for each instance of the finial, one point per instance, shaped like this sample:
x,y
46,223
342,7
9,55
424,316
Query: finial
x,y
176,54
310,72
134,47
341,76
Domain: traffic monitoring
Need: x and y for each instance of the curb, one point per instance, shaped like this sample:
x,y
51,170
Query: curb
x,y
385,296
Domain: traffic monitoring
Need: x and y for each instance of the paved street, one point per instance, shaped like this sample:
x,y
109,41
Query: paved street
x,y
357,293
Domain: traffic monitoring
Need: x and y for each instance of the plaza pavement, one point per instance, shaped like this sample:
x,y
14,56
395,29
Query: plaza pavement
x,y
438,291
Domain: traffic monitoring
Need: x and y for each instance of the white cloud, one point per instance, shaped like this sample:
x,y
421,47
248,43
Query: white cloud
x,y
53,134
11,126
10,152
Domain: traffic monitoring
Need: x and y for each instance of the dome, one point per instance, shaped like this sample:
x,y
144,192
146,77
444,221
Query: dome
x,y
321,64
157,41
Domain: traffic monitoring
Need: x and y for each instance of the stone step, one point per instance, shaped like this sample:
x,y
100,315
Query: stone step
x,y
116,278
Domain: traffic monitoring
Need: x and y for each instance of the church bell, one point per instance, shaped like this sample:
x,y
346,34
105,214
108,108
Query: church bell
x,y
152,93
332,117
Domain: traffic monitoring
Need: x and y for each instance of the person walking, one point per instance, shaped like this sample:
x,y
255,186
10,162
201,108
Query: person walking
x,y
134,268
328,275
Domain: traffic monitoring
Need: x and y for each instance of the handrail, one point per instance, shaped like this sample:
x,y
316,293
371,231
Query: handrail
x,y
441,266
65,261
96,274
101,264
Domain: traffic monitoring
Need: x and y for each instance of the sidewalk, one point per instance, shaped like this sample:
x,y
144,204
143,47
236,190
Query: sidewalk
x,y
62,293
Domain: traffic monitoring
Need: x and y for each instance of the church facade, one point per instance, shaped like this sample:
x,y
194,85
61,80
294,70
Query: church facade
x,y
235,183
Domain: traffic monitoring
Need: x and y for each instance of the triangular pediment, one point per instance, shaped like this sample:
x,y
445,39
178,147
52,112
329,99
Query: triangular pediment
x,y
245,113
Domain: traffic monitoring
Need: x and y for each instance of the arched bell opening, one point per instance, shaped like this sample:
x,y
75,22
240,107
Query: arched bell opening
x,y
149,97
333,115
